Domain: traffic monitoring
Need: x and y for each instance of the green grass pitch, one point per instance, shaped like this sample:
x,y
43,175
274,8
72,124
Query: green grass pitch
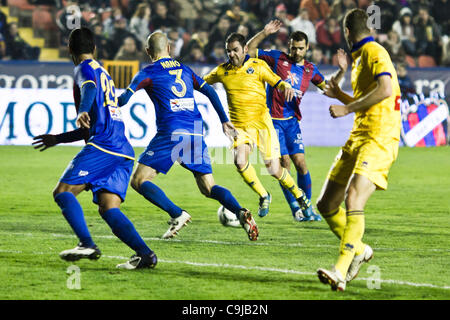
x,y
408,226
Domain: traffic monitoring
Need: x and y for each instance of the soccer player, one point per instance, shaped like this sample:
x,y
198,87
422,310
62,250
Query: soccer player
x,y
104,165
179,137
244,79
293,68
364,161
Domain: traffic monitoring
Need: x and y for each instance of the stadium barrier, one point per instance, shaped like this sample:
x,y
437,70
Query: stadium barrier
x,y
121,72
37,98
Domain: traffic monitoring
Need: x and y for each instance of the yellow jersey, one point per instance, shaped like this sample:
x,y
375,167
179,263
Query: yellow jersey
x,y
245,88
370,61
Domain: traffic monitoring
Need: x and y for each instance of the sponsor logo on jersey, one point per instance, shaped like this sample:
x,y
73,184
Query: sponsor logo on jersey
x,y
182,104
250,70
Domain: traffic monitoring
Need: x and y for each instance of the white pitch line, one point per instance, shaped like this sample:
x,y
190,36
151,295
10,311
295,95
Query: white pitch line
x,y
233,243
266,269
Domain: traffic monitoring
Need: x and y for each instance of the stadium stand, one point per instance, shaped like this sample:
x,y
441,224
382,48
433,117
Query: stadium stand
x,y
46,23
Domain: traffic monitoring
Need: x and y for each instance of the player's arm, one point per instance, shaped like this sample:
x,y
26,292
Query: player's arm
x,y
45,141
135,85
382,91
88,93
267,75
270,28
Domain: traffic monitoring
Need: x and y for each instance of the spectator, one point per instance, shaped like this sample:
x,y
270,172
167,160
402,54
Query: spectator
x,y
3,22
161,19
176,42
446,52
394,46
302,23
440,11
199,39
139,23
427,34
388,11
317,9
236,16
129,51
244,30
340,7
406,85
101,43
218,33
195,55
317,56
2,47
108,24
282,35
118,36
69,18
218,54
405,30
328,35
16,47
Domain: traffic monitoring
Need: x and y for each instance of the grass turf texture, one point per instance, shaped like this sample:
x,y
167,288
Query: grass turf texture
x,y
408,226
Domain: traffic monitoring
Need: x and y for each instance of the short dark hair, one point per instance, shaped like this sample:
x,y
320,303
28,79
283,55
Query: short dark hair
x,y
81,41
356,21
298,36
236,37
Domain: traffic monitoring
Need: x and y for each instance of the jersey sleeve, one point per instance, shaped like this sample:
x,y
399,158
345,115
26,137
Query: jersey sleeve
x,y
269,56
140,80
318,79
266,74
197,81
378,61
85,74
212,77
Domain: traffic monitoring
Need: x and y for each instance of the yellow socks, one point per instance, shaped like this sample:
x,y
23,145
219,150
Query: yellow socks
x,y
351,240
250,177
337,220
288,183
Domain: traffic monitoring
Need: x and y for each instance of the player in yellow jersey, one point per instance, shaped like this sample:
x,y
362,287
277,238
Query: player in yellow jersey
x,y
364,161
244,80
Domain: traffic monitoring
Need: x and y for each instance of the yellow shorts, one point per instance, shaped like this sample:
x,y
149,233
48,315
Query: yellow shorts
x,y
262,134
368,157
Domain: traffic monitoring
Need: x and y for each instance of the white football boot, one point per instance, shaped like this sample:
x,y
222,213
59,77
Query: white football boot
x,y
80,252
357,262
332,277
175,224
249,224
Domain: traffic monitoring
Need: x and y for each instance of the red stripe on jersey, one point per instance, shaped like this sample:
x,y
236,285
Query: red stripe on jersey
x,y
145,84
282,69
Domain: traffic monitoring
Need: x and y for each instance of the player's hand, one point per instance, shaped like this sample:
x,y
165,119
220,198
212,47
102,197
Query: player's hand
x,y
83,120
44,141
337,111
229,130
289,94
342,60
332,89
272,27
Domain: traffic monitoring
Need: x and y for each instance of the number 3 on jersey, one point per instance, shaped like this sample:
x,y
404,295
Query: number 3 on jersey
x,y
109,90
177,73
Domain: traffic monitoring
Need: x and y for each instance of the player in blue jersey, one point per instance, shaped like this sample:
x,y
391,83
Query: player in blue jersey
x,y
298,72
104,165
179,137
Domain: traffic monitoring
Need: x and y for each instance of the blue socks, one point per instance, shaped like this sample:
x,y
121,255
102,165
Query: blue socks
x,y
124,229
226,199
304,183
155,195
73,213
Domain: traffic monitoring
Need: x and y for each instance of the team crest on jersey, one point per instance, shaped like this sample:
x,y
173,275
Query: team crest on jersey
x,y
307,70
250,70
285,63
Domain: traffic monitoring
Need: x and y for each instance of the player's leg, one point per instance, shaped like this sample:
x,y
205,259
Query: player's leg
x,y
142,183
209,189
65,196
303,175
285,161
123,228
359,191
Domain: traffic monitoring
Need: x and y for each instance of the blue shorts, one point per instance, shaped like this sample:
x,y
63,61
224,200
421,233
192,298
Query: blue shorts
x,y
166,148
290,136
100,171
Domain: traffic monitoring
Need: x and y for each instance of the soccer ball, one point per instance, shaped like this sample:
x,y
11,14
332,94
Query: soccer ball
x,y
227,218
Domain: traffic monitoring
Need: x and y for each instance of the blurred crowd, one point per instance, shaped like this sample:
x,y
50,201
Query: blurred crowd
x,y
197,29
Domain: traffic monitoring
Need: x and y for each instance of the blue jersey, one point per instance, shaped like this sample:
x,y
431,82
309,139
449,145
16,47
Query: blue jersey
x,y
107,130
298,76
170,85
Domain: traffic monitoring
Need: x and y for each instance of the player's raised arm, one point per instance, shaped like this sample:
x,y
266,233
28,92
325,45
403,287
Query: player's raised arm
x,y
270,28
382,91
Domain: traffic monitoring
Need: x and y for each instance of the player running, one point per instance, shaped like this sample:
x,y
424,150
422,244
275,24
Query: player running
x,y
364,161
104,165
244,79
286,115
179,137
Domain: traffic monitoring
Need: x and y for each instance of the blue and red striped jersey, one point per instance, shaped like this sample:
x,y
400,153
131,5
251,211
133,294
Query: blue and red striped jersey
x,y
298,76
